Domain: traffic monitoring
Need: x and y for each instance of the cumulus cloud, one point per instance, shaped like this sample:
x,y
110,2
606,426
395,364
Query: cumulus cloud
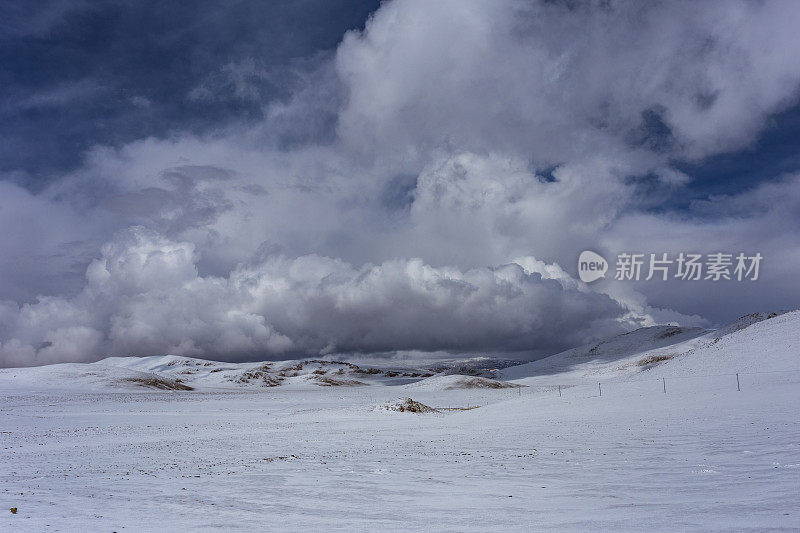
x,y
427,188
562,80
144,296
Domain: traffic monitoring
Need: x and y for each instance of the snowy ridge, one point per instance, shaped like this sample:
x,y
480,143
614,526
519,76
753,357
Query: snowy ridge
x,y
187,373
457,381
85,377
755,343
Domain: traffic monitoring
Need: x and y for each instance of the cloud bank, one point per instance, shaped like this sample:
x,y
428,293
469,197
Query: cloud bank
x,y
426,187
144,295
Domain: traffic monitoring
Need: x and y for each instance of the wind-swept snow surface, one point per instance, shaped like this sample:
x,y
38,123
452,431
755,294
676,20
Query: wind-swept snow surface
x,y
702,456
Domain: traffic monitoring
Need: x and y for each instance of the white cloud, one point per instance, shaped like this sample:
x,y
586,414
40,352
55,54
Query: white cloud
x,y
144,295
560,81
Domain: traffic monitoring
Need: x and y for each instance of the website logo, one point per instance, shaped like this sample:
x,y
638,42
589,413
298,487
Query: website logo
x,y
591,266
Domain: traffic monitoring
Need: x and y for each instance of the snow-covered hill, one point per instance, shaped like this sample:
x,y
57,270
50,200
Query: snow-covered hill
x,y
759,342
755,343
85,377
187,373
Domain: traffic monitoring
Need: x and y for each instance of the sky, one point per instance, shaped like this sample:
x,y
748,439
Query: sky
x,y
269,180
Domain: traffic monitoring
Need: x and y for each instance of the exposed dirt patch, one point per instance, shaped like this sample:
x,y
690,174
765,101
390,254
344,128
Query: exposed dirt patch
x,y
407,405
158,383
367,371
260,376
481,383
653,359
331,382
670,332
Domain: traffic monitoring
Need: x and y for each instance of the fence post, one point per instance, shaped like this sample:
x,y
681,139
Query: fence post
x,y
737,382
664,381
600,389
559,391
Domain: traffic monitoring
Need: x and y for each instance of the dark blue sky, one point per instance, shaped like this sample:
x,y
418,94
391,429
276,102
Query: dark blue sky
x,y
776,152
77,74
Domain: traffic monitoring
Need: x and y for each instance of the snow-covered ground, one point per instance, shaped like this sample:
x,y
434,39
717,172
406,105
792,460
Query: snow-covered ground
x,y
293,447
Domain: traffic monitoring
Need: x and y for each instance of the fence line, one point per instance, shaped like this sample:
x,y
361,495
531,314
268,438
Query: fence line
x,y
620,379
